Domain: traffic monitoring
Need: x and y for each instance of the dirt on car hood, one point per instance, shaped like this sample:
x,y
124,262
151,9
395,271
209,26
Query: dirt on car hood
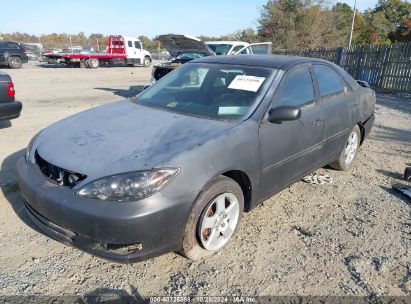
x,y
121,137
177,44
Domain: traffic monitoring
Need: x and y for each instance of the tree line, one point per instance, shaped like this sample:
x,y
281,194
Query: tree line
x,y
311,23
287,24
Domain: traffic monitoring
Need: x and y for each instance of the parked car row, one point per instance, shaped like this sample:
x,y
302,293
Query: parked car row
x,y
184,48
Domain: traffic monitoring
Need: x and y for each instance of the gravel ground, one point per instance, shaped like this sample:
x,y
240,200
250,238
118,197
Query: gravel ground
x,y
348,237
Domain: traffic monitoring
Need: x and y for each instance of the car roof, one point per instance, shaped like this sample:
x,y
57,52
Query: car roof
x,y
281,62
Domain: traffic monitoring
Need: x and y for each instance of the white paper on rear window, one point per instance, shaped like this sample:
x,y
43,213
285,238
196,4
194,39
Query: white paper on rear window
x,y
246,83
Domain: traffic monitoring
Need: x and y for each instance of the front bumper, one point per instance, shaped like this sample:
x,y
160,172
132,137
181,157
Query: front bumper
x,y
10,110
122,232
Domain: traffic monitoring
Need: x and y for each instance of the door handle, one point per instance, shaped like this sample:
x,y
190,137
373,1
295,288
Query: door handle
x,y
317,121
354,106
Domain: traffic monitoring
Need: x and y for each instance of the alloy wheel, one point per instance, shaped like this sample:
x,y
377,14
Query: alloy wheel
x,y
351,148
219,221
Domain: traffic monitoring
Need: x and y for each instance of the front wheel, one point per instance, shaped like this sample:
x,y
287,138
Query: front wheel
x,y
214,219
350,151
146,61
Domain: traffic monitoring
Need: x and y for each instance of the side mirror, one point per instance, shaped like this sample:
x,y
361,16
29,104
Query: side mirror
x,y
283,113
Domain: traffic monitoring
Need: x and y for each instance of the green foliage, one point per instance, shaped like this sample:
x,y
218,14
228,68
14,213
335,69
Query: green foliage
x,y
310,23
303,24
396,11
147,42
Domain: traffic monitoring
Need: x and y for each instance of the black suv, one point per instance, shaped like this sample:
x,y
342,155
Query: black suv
x,y
12,54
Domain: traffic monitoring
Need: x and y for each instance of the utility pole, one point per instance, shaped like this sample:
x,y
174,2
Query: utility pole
x,y
352,23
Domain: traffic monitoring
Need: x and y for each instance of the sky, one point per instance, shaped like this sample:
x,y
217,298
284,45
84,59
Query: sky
x,y
138,17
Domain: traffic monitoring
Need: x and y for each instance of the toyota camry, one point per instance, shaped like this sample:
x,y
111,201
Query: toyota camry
x,y
174,168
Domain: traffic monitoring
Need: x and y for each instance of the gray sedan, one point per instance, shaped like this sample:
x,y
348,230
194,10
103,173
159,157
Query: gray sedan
x,y
175,168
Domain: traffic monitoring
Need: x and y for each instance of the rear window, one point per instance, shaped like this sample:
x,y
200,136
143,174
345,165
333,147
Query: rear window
x,y
329,81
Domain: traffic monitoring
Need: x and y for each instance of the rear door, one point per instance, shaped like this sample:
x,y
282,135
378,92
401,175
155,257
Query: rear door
x,y
290,149
263,48
336,101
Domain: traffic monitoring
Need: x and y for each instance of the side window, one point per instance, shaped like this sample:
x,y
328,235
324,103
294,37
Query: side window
x,y
137,45
237,48
245,51
329,81
11,45
130,44
296,89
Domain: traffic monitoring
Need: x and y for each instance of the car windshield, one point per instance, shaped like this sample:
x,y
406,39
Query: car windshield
x,y
216,91
220,49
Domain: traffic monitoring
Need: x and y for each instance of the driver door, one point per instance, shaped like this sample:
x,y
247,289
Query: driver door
x,y
291,149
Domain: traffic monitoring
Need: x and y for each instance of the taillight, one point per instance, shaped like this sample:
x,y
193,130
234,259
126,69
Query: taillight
x,y
10,89
24,50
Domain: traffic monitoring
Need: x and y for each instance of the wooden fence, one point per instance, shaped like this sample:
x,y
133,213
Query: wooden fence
x,y
385,66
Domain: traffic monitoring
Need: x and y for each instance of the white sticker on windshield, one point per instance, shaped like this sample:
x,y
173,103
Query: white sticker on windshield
x,y
246,83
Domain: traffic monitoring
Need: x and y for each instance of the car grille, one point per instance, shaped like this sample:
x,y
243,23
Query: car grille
x,y
58,175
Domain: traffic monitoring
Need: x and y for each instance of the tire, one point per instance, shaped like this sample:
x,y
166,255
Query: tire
x,y
93,63
15,62
87,63
407,174
146,61
350,151
221,193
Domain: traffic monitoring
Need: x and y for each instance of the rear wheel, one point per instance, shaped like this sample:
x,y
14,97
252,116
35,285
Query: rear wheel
x,y
214,219
15,63
93,63
350,151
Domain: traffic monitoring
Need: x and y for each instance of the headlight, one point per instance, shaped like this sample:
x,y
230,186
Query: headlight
x,y
128,186
30,145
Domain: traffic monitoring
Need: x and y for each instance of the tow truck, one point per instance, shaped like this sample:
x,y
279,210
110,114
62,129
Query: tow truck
x,y
128,50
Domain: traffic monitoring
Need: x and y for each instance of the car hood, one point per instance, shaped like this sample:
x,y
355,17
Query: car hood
x,y
122,137
177,44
